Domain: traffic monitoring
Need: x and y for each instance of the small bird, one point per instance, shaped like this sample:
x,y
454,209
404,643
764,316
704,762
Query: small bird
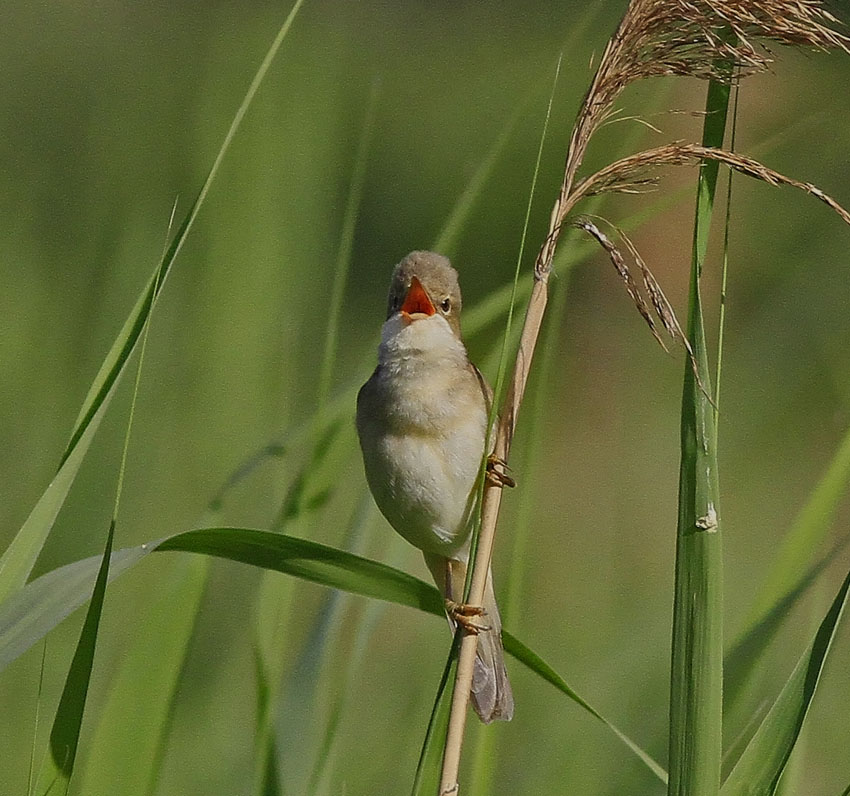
x,y
422,421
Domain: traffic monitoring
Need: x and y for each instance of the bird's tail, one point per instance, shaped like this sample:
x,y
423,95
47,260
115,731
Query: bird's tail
x,y
491,693
492,697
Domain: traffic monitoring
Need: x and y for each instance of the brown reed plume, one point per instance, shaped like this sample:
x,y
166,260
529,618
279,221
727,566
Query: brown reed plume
x,y
707,39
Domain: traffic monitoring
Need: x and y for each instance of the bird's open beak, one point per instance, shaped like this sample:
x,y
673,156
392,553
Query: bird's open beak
x,y
416,303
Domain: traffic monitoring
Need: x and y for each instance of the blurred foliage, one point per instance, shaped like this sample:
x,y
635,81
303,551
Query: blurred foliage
x,y
110,110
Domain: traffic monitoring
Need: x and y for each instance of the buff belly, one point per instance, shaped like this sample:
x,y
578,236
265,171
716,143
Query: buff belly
x,y
424,485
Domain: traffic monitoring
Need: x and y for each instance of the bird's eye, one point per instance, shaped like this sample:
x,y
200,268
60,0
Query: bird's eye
x,y
446,304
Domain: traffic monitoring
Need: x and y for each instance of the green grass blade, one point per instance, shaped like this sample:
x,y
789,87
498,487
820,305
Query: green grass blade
x,y
788,581
266,773
446,240
747,651
809,530
341,570
302,710
347,683
128,741
42,604
436,735
426,781
20,557
31,613
310,561
308,492
514,647
696,677
58,767
31,772
724,271
56,770
345,248
760,767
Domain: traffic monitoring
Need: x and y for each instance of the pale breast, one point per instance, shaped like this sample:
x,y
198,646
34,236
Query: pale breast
x,y
422,447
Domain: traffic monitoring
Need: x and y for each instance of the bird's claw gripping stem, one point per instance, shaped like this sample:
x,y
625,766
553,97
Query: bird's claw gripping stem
x,y
495,473
467,616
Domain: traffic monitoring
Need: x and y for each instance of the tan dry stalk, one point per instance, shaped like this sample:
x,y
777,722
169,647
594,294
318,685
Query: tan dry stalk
x,y
696,38
632,170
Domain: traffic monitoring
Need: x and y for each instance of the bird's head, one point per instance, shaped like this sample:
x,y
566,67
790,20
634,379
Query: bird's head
x,y
424,288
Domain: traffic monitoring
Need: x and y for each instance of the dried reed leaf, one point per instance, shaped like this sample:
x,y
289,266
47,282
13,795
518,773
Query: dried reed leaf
x,y
695,38
658,301
622,268
631,170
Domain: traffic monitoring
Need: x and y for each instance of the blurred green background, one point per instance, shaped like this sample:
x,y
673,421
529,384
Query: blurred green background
x,y
111,110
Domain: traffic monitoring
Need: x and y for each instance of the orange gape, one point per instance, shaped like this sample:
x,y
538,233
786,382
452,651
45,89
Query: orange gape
x,y
417,300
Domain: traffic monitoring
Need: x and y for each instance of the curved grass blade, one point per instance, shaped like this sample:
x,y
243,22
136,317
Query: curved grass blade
x,y
41,605
128,742
426,781
745,654
324,780
58,767
696,676
20,557
56,770
302,497
810,528
310,561
302,711
760,767
514,647
439,733
339,569
317,563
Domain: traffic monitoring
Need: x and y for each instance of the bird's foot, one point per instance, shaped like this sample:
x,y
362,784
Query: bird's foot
x,y
495,473
467,616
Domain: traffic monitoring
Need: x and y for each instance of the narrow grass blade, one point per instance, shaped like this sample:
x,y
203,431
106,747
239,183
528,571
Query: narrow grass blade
x,y
31,613
809,530
20,557
55,775
322,779
453,226
696,677
788,581
308,492
449,735
58,767
747,651
761,765
50,598
127,745
303,710
310,561
345,248
341,570
267,773
426,781
31,773
514,647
